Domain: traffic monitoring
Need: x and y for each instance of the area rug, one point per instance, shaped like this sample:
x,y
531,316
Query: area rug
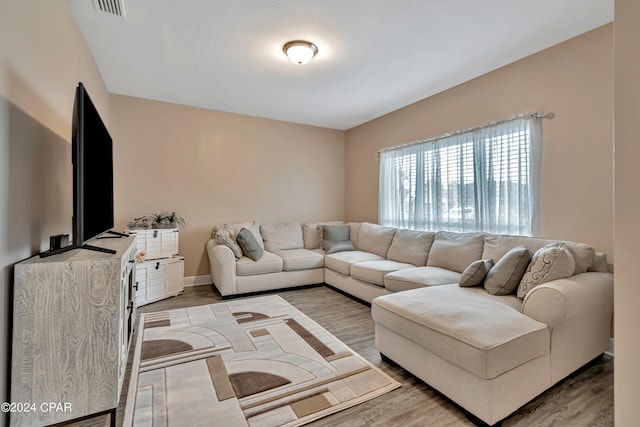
x,y
251,362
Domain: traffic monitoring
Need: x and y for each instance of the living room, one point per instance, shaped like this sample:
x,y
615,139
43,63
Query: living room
x,y
214,167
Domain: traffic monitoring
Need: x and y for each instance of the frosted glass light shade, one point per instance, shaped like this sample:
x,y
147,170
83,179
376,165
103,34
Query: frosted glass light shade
x,y
299,51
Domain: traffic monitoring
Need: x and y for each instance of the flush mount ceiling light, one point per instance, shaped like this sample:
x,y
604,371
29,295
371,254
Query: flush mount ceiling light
x,y
299,51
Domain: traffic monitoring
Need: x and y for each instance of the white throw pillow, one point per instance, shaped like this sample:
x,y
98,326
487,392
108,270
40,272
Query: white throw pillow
x,y
551,262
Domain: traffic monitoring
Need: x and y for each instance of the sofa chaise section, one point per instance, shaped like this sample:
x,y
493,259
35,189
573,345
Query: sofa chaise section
x,y
492,354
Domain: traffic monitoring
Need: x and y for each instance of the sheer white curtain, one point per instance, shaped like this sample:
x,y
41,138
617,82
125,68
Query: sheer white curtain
x,y
483,179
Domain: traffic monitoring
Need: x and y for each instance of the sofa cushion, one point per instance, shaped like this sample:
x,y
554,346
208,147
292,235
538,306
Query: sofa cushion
x,y
480,333
504,277
411,246
312,233
249,244
301,259
279,237
550,262
355,230
495,246
333,246
269,263
419,277
374,271
375,238
342,261
455,251
475,273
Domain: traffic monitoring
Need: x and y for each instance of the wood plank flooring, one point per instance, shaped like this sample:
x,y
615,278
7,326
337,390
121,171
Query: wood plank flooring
x,y
583,399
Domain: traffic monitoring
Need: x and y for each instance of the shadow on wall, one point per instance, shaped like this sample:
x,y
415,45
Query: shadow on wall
x,y
39,184
36,188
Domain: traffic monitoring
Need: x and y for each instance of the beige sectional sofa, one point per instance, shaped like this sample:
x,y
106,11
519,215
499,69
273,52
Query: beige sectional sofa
x,y
489,353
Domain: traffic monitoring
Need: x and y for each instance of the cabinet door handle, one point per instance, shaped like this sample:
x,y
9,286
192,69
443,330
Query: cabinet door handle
x,y
135,286
157,265
130,306
132,261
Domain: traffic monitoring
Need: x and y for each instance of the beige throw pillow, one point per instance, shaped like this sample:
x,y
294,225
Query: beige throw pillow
x,y
475,273
223,237
551,262
505,276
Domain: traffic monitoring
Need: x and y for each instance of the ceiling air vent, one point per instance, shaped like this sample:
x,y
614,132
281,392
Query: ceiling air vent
x,y
112,7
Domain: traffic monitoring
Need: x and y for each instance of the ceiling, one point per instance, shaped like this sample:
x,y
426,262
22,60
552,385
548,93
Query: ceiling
x,y
374,56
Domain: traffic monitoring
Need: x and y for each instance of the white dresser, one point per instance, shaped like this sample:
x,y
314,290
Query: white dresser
x,y
161,275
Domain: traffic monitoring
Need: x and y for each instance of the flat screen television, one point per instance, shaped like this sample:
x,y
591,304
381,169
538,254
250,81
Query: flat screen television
x,y
92,158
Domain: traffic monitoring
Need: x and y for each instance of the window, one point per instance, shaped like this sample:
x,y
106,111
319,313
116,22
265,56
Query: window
x,y
479,180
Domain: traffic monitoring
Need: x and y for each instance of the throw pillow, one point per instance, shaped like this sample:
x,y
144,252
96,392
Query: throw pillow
x,y
331,246
336,232
551,262
312,233
249,244
223,237
255,230
505,276
475,273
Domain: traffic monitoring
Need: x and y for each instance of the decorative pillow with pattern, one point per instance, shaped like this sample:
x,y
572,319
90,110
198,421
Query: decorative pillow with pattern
x,y
551,262
223,237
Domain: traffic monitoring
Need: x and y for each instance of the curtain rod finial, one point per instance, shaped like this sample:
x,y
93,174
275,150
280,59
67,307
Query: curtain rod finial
x,y
541,115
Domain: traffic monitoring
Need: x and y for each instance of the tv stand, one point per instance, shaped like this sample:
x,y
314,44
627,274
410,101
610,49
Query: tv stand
x,y
73,320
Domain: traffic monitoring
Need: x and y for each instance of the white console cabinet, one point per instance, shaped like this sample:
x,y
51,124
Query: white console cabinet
x,y
161,275
73,318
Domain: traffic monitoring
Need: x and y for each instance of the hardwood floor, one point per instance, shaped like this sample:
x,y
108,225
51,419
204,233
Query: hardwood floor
x,y
583,399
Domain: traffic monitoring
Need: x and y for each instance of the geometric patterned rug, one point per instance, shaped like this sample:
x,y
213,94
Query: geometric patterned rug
x,y
251,362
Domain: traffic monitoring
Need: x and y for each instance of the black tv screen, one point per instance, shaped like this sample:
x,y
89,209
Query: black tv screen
x,y
92,156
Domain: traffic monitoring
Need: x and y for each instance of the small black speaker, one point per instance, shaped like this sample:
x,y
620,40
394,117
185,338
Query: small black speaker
x,y
58,241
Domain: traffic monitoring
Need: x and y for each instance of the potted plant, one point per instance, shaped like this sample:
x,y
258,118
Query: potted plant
x,y
166,219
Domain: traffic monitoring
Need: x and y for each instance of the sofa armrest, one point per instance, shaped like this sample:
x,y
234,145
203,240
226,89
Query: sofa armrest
x,y
579,311
587,294
223,268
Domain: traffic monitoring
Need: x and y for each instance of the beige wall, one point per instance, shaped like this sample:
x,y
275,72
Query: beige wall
x,y
214,167
42,57
627,212
573,79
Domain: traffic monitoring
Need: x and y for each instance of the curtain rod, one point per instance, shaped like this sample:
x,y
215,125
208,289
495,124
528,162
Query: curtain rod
x,y
535,116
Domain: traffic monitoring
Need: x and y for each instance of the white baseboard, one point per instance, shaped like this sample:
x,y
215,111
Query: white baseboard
x,y
610,351
197,280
